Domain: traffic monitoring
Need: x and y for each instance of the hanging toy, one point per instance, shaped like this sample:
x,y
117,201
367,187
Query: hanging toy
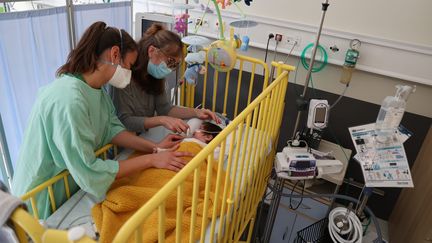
x,y
195,60
224,3
245,43
222,55
206,9
181,23
243,25
248,2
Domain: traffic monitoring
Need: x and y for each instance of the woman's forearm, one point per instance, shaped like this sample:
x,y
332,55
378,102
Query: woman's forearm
x,y
150,122
129,166
182,112
130,140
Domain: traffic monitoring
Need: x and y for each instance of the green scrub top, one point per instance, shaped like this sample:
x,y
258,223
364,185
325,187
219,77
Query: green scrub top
x,y
69,121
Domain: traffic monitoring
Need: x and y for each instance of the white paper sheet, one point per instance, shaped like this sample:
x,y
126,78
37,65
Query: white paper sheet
x,y
383,165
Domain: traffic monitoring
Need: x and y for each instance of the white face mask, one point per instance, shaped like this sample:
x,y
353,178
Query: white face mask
x,y
121,77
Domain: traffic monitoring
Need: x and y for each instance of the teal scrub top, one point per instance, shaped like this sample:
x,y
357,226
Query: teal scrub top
x,y
69,121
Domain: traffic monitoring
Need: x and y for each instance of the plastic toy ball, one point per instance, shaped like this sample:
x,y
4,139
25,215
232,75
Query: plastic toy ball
x,y
222,55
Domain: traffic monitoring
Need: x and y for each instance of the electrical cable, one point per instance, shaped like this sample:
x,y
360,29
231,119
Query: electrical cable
x,y
289,54
301,199
298,94
343,197
338,142
292,193
312,86
361,193
274,59
275,51
366,226
305,64
338,229
270,36
340,97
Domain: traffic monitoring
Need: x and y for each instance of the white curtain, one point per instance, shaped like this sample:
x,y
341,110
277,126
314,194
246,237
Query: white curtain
x,y
116,14
33,45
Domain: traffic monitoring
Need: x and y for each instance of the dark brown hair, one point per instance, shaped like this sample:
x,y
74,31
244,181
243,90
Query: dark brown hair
x,y
211,129
170,44
95,40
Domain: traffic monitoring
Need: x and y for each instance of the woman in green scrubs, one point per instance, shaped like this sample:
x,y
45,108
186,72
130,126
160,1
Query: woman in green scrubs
x,y
73,116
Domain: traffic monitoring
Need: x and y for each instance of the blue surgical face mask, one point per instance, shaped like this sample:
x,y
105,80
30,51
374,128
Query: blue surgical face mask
x,y
158,71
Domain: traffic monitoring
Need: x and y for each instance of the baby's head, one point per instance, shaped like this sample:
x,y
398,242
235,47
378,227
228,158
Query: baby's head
x,y
207,132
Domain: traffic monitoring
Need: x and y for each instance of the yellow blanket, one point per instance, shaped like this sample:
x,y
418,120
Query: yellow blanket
x,y
128,194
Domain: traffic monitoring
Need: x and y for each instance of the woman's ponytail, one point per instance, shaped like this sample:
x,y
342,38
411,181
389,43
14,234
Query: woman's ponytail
x,y
95,40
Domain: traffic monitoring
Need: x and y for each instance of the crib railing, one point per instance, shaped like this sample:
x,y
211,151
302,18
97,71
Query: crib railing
x,y
48,185
250,134
188,91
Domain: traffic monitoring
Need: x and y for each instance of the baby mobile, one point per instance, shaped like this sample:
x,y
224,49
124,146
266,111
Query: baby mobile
x,y
221,54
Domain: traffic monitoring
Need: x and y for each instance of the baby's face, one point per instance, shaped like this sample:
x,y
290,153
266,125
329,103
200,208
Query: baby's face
x,y
203,137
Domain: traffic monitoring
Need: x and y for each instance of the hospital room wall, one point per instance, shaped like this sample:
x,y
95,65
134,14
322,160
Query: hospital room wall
x,y
407,21
364,86
388,19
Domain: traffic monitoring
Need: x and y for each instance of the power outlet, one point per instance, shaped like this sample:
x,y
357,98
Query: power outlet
x,y
278,37
293,40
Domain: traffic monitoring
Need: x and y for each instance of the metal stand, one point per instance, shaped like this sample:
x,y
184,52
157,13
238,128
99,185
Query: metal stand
x,y
274,205
311,63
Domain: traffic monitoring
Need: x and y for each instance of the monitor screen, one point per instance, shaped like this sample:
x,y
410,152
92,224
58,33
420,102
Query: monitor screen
x,y
320,114
144,20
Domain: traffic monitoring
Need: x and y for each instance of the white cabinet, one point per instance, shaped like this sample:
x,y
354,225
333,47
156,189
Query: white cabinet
x,y
283,225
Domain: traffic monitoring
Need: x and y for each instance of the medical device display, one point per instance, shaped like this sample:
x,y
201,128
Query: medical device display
x,y
297,163
145,20
391,113
318,114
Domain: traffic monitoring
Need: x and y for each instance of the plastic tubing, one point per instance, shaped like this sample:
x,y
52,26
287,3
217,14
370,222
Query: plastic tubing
x,y
351,199
355,228
323,55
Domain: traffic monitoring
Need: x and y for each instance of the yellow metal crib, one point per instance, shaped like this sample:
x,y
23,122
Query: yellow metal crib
x,y
249,143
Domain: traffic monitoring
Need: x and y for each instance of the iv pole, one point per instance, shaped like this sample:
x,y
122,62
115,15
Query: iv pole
x,y
271,216
311,63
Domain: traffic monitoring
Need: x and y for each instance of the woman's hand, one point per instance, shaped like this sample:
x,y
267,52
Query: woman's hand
x,y
173,124
171,142
205,114
170,160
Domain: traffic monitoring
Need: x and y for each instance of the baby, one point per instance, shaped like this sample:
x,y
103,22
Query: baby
x,y
205,133
200,132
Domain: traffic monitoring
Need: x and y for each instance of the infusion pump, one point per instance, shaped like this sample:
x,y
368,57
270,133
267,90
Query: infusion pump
x,y
297,163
